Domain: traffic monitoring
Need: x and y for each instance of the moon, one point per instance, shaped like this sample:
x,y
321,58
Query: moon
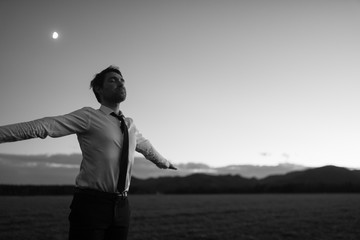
x,y
55,35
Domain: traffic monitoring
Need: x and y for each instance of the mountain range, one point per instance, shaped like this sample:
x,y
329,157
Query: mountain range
x,y
62,169
324,179
327,179
56,174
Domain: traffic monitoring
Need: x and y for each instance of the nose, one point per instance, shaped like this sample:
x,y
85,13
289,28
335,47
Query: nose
x,y
120,83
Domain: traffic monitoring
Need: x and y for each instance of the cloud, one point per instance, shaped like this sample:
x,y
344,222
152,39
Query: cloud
x,y
59,165
39,169
41,158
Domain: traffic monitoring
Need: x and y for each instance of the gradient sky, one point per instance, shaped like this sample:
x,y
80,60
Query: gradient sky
x,y
218,82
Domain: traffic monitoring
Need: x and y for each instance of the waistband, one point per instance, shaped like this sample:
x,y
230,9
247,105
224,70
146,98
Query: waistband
x,y
97,193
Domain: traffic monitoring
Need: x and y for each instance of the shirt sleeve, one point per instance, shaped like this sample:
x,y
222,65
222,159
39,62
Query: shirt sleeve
x,y
57,126
144,147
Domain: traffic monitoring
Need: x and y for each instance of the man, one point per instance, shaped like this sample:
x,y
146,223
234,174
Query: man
x,y
100,208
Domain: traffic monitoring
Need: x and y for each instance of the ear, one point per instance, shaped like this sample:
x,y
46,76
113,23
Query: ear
x,y
98,93
97,89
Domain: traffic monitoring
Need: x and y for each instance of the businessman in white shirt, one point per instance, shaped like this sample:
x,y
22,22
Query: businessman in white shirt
x,y
100,208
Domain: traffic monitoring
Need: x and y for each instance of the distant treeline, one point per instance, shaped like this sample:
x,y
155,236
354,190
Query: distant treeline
x,y
28,190
183,188
206,184
327,179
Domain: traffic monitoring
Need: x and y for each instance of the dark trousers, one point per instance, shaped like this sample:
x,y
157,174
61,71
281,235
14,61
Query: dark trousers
x,y
98,216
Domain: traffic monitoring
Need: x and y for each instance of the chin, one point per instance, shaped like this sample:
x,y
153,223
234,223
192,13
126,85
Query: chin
x,y
121,99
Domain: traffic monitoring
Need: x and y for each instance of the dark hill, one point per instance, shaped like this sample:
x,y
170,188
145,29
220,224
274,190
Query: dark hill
x,y
326,175
196,183
327,178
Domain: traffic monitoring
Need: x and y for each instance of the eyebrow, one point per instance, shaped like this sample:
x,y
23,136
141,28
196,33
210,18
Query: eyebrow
x,y
117,78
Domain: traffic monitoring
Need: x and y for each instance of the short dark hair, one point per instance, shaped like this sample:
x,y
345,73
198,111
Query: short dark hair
x,y
99,78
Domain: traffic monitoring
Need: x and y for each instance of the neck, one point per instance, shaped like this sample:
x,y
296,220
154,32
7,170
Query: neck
x,y
113,106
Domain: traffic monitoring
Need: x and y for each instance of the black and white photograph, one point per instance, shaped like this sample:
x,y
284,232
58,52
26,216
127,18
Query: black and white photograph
x,y
180,119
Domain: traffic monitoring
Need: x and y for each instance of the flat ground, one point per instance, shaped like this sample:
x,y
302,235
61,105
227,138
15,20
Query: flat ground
x,y
258,216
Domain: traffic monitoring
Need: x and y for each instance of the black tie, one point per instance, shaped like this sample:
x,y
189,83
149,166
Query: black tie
x,y
124,158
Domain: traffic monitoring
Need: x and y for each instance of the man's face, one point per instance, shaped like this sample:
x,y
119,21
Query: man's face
x,y
113,90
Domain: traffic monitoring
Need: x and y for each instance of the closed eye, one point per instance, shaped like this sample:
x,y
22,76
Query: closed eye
x,y
114,79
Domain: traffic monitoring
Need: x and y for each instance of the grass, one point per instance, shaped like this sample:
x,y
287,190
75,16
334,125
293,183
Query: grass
x,y
267,216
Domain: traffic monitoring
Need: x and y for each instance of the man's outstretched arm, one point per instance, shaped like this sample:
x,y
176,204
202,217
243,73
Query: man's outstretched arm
x,y
58,126
150,153
144,147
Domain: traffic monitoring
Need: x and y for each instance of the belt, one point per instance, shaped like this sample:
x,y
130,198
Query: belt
x,y
97,193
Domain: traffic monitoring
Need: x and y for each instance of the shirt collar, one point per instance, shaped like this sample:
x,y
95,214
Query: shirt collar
x,y
108,111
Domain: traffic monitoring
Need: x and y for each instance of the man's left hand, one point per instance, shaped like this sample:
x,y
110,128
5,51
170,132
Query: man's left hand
x,y
172,167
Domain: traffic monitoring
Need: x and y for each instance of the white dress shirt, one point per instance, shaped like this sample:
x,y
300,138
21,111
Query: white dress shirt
x,y
100,140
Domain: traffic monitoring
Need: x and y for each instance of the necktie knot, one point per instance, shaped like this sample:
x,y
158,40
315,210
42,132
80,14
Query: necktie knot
x,y
121,118
118,116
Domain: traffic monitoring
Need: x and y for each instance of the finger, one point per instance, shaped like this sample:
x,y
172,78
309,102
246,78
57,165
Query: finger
x,y
172,167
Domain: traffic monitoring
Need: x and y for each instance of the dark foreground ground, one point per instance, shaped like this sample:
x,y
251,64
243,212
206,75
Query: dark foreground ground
x,y
267,216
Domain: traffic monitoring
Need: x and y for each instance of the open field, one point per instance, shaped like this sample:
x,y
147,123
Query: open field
x,y
267,216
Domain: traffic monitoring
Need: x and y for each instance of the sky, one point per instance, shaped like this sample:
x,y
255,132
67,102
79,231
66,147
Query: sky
x,y
218,82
